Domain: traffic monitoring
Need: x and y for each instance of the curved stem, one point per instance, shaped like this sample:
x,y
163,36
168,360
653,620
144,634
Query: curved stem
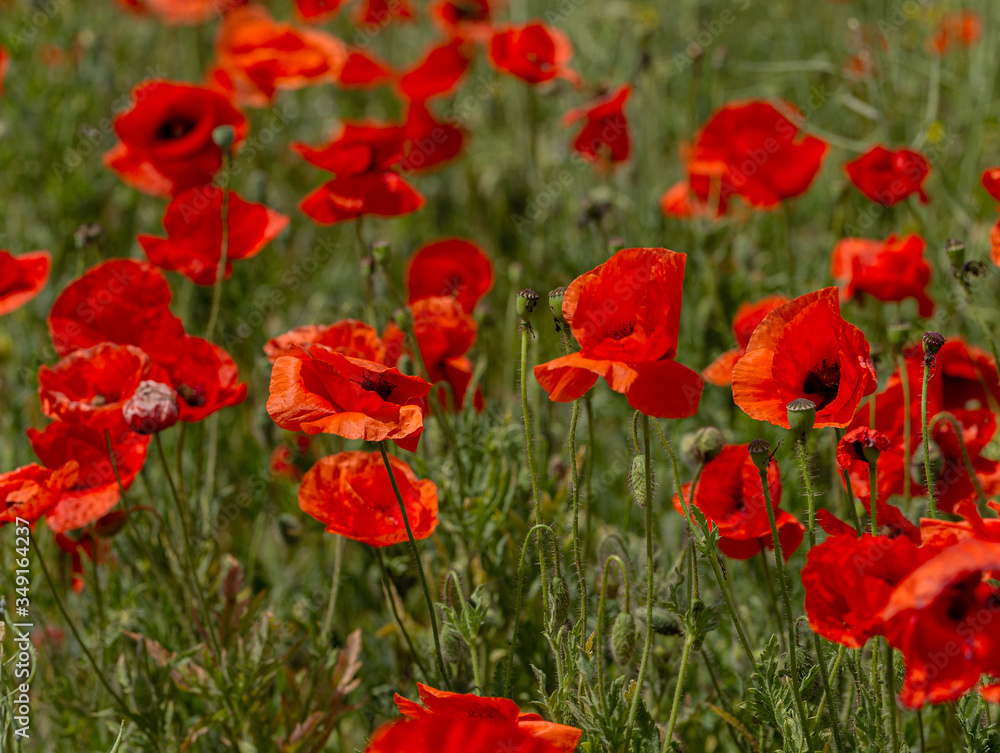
x,y
538,527
599,635
331,605
577,543
966,460
417,564
387,586
688,643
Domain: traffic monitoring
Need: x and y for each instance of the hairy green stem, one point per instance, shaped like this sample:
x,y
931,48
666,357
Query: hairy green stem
x,y
530,450
537,528
926,430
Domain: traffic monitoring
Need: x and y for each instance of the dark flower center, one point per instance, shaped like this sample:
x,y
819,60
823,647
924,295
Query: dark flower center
x,y
623,331
98,400
378,384
192,396
174,128
823,380
469,12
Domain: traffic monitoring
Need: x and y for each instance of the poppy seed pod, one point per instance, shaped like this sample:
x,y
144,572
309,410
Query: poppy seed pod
x,y
560,600
527,301
224,136
706,444
801,416
380,252
933,342
452,644
637,480
760,454
151,409
555,306
623,638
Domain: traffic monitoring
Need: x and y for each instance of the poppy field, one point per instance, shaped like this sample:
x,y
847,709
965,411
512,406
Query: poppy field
x,y
499,376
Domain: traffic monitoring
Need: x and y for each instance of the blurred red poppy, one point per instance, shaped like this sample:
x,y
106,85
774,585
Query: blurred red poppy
x,y
888,177
848,581
751,149
193,222
437,74
362,71
442,734
90,385
805,349
316,390
165,137
605,133
262,55
349,337
4,65
119,300
315,11
889,270
96,489
748,316
445,333
991,181
21,278
183,12
503,711
381,13
282,464
940,621
625,314
470,19
362,157
968,377
352,495
535,53
429,142
962,29
450,266
29,492
730,496
680,202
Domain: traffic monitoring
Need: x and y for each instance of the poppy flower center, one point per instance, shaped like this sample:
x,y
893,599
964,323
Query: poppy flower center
x,y
469,12
624,330
379,385
191,395
175,127
823,380
98,400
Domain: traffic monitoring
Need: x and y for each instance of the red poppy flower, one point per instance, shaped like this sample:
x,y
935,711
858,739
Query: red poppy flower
x,y
119,300
730,496
963,28
438,734
968,377
193,222
21,278
954,491
470,19
449,267
281,464
605,133
165,137
501,711
889,270
203,375
363,71
805,349
625,314
429,142
32,491
748,317
316,390
96,489
183,12
315,11
90,385
995,244
437,74
750,149
534,53
848,581
4,65
940,617
382,12
444,334
991,182
351,494
888,177
362,157
263,55
680,202
349,337
77,548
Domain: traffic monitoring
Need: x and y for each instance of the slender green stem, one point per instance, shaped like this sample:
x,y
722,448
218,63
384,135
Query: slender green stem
x,y
589,468
331,605
599,635
220,271
387,587
873,496
920,732
828,693
417,564
688,643
537,528
577,542
904,380
648,643
530,449
790,624
926,430
890,685
772,595
803,462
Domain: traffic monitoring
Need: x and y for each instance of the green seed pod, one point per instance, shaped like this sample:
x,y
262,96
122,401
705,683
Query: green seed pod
x,y
224,136
956,253
380,252
555,306
623,639
452,645
933,342
760,453
559,594
707,445
801,416
637,480
527,301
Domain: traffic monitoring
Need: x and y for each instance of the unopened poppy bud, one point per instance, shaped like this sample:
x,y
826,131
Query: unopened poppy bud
x,y
380,252
623,639
933,342
637,480
760,454
452,645
917,464
707,444
956,253
151,409
664,623
871,453
224,136
559,593
527,301
555,305
801,415
402,318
